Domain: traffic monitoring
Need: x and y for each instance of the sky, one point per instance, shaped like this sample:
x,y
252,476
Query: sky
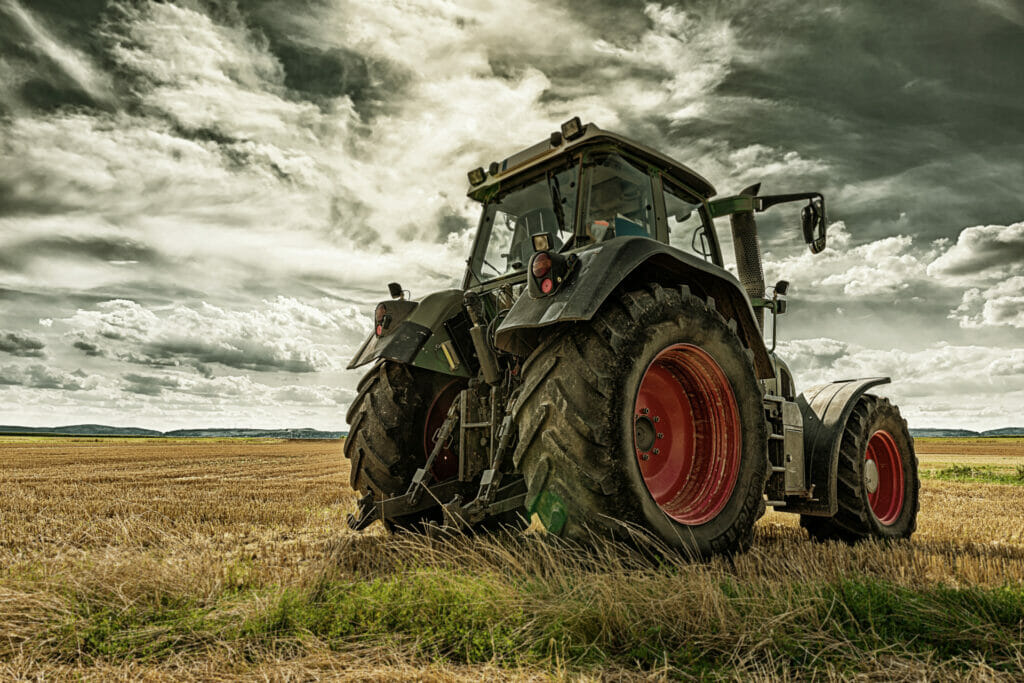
x,y
202,201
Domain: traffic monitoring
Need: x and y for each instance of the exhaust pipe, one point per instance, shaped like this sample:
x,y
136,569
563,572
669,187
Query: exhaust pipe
x,y
748,253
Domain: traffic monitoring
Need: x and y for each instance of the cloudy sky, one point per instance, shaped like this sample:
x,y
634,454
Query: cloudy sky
x,y
200,201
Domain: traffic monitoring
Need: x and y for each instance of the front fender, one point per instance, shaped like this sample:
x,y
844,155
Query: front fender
x,y
417,339
825,409
601,269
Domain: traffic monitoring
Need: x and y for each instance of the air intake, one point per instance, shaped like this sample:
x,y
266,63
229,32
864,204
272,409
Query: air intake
x,y
748,253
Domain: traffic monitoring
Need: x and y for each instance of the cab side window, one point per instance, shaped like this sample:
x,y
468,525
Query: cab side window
x,y
686,230
619,199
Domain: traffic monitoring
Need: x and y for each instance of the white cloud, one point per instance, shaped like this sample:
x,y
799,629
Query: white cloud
x,y
1001,304
889,268
283,335
988,382
982,254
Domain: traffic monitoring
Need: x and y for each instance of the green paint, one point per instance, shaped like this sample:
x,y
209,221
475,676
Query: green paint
x,y
551,510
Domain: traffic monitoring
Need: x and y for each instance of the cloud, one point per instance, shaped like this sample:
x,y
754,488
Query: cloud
x,y
999,305
48,70
922,379
285,335
149,385
38,376
890,268
21,345
984,253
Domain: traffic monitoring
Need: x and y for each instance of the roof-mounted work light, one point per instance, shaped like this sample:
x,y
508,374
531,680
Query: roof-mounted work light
x,y
477,176
572,129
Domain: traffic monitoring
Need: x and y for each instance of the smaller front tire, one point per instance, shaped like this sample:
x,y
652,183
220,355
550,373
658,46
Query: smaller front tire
x,y
878,482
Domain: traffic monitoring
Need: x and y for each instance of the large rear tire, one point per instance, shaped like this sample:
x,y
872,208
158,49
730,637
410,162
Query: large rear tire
x,y
648,415
878,482
396,410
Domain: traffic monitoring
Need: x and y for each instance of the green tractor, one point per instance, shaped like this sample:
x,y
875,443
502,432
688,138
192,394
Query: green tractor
x,y
601,369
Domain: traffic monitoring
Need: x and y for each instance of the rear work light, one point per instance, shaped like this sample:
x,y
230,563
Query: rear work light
x,y
548,270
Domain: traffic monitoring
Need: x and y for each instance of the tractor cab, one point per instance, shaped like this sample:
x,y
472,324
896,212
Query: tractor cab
x,y
582,188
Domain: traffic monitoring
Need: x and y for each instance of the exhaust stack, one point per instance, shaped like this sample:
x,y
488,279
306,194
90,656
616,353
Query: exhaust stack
x,y
748,253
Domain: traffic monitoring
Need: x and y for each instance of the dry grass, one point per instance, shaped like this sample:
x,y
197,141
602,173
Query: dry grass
x,y
216,560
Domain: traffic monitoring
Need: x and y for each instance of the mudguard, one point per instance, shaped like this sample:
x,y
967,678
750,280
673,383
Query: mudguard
x,y
601,269
417,339
825,409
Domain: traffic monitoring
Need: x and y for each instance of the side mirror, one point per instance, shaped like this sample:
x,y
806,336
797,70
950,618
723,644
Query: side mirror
x,y
395,290
814,223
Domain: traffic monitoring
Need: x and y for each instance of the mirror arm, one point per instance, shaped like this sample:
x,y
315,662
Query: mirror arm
x,y
764,203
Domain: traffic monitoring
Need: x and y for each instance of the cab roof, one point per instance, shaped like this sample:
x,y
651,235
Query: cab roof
x,y
558,146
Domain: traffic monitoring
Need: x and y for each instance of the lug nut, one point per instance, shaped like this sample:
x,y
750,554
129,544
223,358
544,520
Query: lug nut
x,y
644,456
657,419
661,435
656,451
644,411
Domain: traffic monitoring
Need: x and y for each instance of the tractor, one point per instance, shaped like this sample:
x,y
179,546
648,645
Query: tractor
x,y
601,370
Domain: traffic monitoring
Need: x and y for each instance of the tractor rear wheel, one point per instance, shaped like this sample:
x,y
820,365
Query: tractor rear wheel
x,y
648,415
393,419
878,482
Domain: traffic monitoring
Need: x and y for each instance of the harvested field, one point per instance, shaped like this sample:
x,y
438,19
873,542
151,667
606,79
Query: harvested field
x,y
205,559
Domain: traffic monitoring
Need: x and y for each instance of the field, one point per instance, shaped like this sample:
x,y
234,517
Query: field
x,y
170,559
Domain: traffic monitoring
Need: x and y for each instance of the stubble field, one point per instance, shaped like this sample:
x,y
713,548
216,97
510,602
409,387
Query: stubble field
x,y
150,558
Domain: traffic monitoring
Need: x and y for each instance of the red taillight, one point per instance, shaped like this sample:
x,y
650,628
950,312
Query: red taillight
x,y
381,318
541,265
546,285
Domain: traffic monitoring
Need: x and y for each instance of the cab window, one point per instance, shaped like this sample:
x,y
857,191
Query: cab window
x,y
686,229
619,199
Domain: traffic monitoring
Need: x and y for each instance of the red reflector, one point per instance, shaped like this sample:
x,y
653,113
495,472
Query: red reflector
x,y
541,264
547,285
380,330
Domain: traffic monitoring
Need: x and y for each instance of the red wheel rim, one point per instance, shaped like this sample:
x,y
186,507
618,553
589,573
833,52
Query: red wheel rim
x,y
446,465
887,480
686,433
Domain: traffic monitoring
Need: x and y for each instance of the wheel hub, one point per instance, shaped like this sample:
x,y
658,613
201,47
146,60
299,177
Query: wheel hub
x,y
644,433
870,476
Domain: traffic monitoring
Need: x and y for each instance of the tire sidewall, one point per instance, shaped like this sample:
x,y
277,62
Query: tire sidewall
x,y
712,335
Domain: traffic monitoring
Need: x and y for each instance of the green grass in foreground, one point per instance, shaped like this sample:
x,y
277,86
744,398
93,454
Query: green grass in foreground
x,y
639,621
981,474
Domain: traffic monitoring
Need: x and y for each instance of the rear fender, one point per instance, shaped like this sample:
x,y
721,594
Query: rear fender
x,y
825,409
419,337
601,269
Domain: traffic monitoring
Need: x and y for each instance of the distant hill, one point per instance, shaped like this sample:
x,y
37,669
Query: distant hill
x,y
88,430
106,430
1005,431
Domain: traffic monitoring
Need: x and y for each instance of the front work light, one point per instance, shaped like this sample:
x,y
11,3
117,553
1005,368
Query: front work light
x,y
572,128
541,242
477,176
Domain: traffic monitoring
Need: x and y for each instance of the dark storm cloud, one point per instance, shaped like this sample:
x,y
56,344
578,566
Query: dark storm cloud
x,y
248,355
19,254
148,385
88,349
21,345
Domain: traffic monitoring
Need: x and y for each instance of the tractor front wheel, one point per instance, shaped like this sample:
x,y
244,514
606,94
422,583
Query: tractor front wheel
x,y
878,483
